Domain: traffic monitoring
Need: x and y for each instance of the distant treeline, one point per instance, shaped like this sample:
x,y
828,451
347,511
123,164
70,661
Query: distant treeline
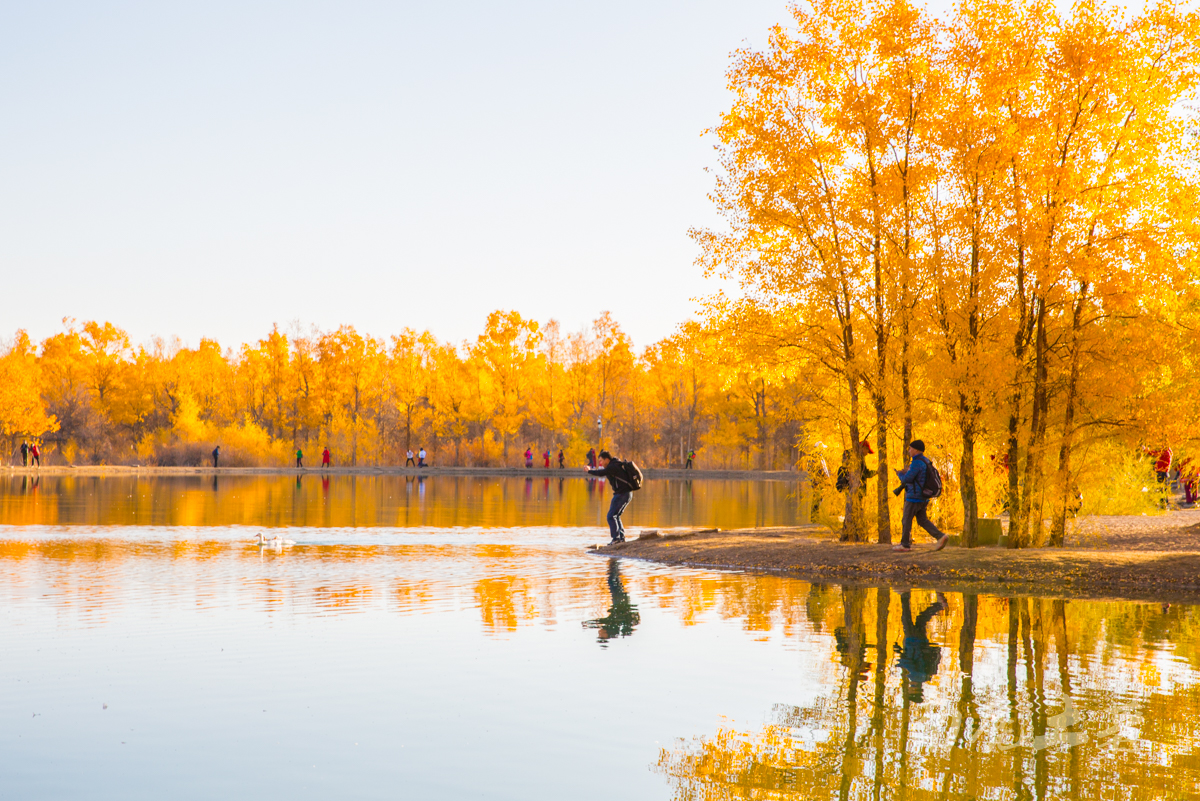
x,y
90,397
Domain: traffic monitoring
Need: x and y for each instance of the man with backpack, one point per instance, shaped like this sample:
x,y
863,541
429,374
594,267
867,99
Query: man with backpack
x,y
921,483
625,478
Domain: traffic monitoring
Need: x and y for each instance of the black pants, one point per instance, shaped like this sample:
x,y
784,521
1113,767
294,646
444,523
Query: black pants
x,y
619,501
410,461
915,510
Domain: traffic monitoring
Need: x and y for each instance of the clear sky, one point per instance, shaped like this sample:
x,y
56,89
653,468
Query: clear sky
x,y
211,168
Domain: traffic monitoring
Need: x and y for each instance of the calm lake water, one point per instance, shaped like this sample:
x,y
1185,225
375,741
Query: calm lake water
x,y
494,660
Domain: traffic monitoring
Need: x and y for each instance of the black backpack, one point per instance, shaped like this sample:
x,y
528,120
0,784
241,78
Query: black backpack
x,y
632,475
933,481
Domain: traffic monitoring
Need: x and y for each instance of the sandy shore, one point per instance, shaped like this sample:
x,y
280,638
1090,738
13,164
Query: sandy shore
x,y
1125,558
521,472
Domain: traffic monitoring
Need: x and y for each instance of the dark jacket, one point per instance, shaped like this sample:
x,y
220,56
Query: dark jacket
x,y
615,473
913,480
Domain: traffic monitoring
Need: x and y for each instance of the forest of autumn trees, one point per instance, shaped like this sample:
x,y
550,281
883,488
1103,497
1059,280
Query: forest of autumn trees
x,y
979,230
91,397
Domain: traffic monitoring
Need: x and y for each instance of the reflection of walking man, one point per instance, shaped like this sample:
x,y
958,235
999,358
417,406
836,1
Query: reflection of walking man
x,y
919,658
614,471
622,616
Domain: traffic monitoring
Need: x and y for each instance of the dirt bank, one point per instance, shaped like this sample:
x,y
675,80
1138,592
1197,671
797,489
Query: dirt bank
x,y
810,553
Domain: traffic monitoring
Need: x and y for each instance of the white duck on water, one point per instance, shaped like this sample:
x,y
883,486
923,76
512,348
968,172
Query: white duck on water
x,y
275,541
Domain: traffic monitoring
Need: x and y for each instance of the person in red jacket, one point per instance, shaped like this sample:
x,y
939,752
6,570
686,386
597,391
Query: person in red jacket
x,y
325,457
1162,464
546,458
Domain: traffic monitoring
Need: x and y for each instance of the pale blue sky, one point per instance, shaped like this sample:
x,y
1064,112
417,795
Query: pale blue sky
x,y
208,169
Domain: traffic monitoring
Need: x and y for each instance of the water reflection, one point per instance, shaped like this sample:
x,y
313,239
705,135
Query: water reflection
x,y
1046,703
881,694
357,500
622,617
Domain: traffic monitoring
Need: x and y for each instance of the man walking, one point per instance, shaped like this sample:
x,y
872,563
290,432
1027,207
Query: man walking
x,y
24,454
421,458
36,454
216,454
614,471
299,458
915,499
410,459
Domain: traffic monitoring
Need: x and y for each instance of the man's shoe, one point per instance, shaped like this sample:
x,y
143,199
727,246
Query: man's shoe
x,y
901,548
942,542
616,540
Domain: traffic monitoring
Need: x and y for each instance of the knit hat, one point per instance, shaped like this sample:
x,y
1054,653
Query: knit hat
x,y
866,448
917,444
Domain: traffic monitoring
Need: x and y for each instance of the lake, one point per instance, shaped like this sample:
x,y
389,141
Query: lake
x,y
151,651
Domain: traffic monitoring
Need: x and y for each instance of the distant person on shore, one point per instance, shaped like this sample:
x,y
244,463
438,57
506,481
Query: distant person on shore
x,y
843,474
591,457
1187,477
529,457
624,478
919,658
691,457
410,459
1162,464
546,459
561,462
913,481
24,454
299,458
421,458
325,457
36,454
216,455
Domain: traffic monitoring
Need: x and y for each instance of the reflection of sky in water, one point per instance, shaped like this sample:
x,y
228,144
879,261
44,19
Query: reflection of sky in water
x,y
505,663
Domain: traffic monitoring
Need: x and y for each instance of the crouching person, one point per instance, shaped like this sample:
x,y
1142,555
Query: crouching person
x,y
624,478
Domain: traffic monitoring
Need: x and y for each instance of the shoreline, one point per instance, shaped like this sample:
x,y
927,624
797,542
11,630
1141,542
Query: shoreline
x,y
1096,574
651,474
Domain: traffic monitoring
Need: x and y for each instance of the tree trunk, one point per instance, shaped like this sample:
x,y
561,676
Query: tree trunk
x,y
970,497
1029,524
853,525
1063,483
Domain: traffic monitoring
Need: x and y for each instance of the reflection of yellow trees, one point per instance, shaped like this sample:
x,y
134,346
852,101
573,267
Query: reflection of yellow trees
x,y
351,501
1024,711
505,601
